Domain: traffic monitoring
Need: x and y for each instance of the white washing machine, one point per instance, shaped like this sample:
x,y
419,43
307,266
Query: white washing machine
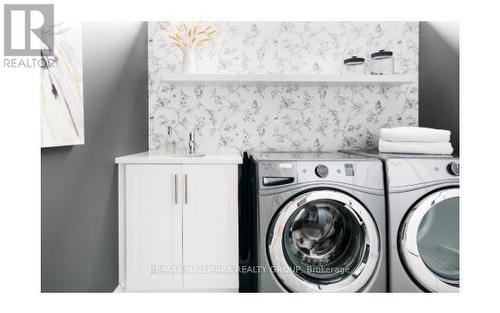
x,y
321,223
423,222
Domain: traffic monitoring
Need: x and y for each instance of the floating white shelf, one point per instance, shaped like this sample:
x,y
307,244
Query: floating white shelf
x,y
295,78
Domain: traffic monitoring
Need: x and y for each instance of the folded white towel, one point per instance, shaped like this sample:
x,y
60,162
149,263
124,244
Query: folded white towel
x,y
415,147
419,134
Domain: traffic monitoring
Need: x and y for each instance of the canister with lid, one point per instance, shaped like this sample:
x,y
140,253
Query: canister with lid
x,y
382,63
354,65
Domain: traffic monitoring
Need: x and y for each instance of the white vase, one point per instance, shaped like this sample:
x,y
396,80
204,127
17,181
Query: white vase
x,y
187,61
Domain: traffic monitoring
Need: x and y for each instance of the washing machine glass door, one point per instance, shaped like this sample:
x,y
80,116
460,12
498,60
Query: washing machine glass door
x,y
429,241
323,240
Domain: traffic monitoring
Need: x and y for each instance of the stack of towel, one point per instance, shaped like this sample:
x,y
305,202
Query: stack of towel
x,y
418,140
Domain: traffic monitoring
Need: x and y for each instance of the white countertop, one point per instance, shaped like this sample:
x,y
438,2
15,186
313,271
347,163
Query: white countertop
x,y
150,157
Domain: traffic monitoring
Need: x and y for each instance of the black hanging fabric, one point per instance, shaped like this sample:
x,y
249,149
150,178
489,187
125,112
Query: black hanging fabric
x,y
247,218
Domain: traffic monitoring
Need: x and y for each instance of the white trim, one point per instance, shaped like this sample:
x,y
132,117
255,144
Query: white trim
x,y
118,288
395,79
121,225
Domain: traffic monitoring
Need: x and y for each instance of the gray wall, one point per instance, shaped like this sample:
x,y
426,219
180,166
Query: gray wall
x,y
439,77
79,183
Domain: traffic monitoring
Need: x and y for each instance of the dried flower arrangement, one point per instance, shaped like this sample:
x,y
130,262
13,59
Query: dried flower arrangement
x,y
189,36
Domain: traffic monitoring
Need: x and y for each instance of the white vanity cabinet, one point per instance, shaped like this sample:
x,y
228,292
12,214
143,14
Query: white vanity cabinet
x,y
178,223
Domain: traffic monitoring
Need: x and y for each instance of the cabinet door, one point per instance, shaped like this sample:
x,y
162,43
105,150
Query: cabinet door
x,y
153,227
210,213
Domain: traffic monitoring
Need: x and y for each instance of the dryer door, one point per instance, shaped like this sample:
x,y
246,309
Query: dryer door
x,y
429,241
323,240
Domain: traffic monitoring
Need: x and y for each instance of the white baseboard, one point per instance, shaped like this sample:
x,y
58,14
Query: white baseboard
x,y
118,288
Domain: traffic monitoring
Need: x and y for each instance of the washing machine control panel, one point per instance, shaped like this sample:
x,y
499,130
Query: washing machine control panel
x,y
277,173
453,168
321,171
406,172
274,174
367,174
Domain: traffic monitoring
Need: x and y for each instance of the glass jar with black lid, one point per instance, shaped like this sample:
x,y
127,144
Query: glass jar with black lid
x,y
382,63
354,65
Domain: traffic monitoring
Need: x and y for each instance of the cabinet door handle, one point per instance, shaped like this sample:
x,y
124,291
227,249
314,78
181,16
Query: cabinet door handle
x,y
175,188
185,189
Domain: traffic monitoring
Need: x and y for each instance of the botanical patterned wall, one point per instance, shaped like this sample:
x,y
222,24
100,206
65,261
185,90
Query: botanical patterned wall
x,y
281,117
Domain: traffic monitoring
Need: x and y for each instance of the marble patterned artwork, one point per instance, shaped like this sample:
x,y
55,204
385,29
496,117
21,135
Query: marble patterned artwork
x,y
280,117
62,89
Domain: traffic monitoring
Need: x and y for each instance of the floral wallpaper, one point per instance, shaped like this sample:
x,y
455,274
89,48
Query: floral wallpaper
x,y
280,117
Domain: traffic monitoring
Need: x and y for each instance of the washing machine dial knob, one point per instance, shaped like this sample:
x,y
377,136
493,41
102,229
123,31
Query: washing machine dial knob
x,y
453,168
321,170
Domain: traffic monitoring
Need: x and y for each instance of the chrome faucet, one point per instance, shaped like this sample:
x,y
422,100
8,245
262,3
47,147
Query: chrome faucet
x,y
170,143
192,143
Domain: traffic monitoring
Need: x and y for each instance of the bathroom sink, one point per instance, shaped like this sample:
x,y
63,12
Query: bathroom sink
x,y
167,157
